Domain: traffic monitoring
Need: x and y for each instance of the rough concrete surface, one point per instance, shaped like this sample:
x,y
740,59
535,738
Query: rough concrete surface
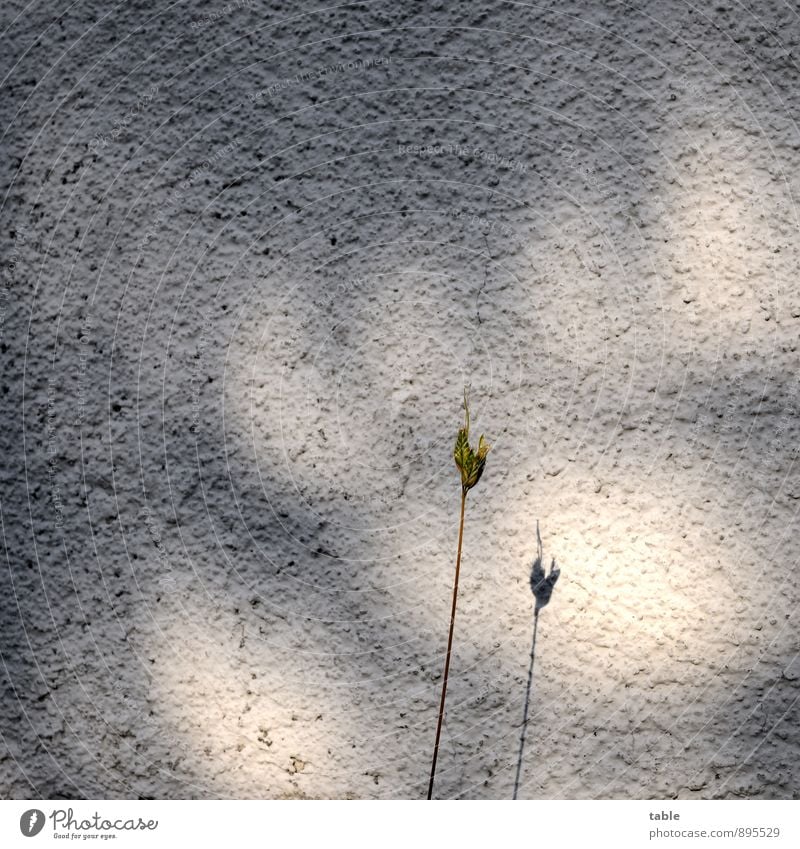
x,y
252,252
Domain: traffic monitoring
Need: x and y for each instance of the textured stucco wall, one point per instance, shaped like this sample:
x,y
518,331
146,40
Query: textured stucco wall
x,y
252,252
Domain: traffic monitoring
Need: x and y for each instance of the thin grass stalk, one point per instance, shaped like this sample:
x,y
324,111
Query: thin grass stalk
x,y
449,645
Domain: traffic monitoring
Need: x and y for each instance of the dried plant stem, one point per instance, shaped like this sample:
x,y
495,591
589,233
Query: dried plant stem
x,y
449,642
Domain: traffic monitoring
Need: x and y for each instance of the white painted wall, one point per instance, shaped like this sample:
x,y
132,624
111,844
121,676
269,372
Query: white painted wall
x,y
239,315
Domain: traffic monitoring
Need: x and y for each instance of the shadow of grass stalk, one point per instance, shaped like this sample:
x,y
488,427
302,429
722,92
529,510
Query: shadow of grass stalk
x,y
470,463
542,586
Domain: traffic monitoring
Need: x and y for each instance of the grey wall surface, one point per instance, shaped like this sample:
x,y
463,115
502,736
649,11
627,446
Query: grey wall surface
x,y
251,254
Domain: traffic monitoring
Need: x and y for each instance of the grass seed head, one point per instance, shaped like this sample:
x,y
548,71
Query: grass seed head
x,y
470,462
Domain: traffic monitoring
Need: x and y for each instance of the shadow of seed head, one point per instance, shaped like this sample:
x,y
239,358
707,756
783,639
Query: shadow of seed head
x,y
542,584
